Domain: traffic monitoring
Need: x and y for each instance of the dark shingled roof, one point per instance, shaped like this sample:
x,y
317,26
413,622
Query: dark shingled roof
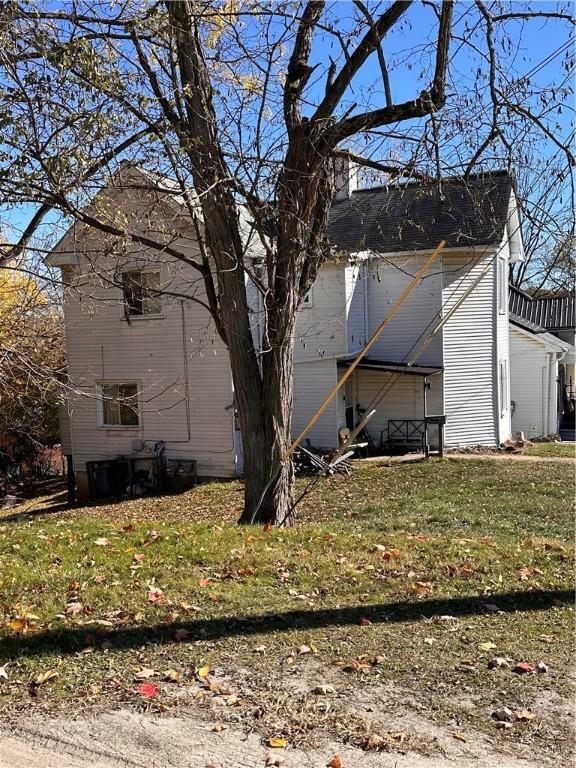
x,y
546,313
415,217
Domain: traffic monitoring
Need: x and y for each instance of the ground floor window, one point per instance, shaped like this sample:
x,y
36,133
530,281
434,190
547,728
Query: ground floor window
x,y
118,404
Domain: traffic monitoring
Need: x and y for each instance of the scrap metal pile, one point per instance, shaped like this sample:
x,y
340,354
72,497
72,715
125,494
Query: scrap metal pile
x,y
308,463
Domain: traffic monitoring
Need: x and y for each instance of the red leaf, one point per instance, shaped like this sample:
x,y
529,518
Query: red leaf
x,y
149,690
204,582
268,527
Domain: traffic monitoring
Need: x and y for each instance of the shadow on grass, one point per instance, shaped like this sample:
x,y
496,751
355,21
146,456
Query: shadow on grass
x,y
67,640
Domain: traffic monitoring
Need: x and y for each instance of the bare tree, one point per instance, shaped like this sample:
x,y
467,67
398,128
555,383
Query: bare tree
x,y
248,103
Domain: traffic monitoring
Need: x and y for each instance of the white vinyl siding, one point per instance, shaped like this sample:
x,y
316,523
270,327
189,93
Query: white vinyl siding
x,y
321,325
181,365
312,382
534,413
470,379
415,318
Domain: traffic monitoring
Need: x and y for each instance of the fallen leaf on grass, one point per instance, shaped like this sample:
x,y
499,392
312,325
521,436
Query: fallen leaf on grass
x,y
219,727
102,542
363,622
172,676
498,662
148,690
203,671
542,668
277,742
204,581
400,736
156,595
259,649
421,587
523,668
429,640
526,714
74,608
460,737
336,762
306,649
394,552
268,527
44,677
3,673
144,673
486,646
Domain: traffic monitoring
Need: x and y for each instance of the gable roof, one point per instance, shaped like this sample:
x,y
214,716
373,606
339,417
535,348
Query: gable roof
x,y
546,313
416,216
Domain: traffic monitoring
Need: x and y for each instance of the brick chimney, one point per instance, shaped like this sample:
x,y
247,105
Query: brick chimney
x,y
345,177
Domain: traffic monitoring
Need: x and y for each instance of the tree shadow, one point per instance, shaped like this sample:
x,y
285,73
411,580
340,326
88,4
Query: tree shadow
x,y
69,640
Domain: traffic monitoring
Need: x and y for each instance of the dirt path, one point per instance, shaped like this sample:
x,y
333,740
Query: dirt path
x,y
125,739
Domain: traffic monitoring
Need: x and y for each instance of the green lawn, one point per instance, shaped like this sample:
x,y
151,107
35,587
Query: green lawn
x,y
385,579
557,450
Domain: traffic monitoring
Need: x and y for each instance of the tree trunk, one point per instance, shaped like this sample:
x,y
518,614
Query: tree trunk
x,y
269,478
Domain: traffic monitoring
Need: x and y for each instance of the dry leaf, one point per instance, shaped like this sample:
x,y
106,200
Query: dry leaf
x,y
259,649
3,673
542,668
460,737
498,662
429,640
144,673
526,714
220,727
488,646
336,762
44,677
374,741
102,542
73,609
523,668
277,742
149,690
155,595
268,527
364,622
203,671
323,690
172,676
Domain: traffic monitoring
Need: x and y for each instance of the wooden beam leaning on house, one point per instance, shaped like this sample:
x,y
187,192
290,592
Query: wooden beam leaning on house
x,y
369,344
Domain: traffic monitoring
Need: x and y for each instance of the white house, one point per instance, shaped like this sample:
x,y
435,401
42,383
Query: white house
x,y
150,379
542,359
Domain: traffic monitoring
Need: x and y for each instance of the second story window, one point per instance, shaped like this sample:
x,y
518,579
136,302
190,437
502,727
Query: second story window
x,y
141,292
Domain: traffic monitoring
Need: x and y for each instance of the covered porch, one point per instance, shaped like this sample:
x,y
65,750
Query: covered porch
x,y
408,401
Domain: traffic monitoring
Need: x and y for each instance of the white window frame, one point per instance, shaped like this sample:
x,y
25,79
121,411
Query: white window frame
x,y
502,285
308,300
130,316
100,386
503,386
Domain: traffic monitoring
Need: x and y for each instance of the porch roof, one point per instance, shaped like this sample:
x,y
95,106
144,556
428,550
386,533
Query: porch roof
x,y
389,366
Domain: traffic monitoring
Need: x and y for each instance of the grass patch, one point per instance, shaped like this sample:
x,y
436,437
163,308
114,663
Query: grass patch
x,y
385,580
555,450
